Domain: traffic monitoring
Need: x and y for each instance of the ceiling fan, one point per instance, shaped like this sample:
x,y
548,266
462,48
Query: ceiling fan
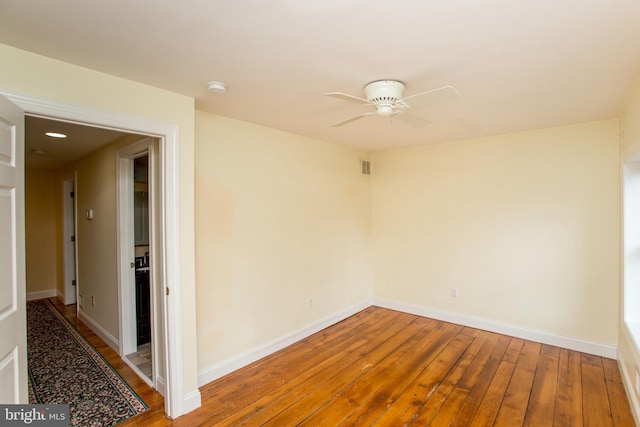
x,y
386,97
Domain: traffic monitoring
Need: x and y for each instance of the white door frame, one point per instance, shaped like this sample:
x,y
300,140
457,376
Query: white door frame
x,y
169,221
69,252
126,254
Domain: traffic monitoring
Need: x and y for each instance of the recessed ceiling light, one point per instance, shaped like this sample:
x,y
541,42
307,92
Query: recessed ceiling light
x,y
56,135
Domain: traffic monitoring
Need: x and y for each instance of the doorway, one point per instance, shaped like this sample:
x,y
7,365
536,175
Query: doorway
x,y
177,402
137,239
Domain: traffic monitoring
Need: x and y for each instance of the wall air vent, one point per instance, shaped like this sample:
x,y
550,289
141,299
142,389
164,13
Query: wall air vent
x,y
365,167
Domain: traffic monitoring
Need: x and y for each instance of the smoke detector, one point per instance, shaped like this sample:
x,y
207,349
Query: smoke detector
x,y
217,87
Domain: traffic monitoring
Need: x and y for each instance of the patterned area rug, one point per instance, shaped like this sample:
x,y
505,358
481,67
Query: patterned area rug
x,y
65,368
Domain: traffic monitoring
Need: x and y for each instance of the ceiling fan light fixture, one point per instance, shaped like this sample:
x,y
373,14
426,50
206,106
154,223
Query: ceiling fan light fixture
x,y
384,110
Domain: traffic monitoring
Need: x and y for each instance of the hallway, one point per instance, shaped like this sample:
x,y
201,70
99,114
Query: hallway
x,y
151,397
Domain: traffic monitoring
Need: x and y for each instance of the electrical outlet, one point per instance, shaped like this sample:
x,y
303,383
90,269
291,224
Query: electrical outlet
x,y
310,302
81,301
454,293
93,300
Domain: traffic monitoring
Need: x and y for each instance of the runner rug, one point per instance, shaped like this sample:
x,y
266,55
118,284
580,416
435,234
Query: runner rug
x,y
65,368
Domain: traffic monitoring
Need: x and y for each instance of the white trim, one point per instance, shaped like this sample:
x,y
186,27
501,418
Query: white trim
x,y
170,221
160,385
502,328
49,293
125,253
99,330
243,359
170,267
125,245
192,401
629,388
156,261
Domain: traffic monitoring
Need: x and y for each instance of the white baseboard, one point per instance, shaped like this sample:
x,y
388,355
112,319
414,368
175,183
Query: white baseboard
x,y
160,385
502,328
99,331
225,367
49,293
192,401
243,359
628,383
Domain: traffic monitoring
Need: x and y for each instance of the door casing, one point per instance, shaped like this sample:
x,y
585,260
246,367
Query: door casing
x,y
176,402
126,254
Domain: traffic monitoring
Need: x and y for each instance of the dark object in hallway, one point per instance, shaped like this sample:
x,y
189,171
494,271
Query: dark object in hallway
x,y
143,307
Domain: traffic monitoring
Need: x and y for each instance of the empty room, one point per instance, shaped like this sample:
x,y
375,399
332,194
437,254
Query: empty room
x,y
358,213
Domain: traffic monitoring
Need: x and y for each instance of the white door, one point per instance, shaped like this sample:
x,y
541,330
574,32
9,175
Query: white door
x,y
13,322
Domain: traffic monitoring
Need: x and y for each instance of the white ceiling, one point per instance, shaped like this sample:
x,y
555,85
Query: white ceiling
x,y
517,64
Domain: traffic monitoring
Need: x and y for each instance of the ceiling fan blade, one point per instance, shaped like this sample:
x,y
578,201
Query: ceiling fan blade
x,y
432,95
353,119
411,119
347,97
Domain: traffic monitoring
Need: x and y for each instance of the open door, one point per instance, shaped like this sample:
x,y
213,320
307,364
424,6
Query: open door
x,y
13,322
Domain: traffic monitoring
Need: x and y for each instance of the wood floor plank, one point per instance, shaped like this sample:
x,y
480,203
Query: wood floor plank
x,y
472,384
569,393
406,368
293,412
403,408
542,400
611,370
248,385
367,396
385,368
595,400
279,399
490,404
478,389
430,408
620,409
514,405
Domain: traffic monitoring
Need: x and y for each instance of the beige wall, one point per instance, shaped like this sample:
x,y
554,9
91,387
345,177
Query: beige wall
x,y
524,225
629,352
279,219
37,76
40,233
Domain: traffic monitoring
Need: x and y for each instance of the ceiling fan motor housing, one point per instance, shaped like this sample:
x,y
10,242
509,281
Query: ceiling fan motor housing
x,y
384,94
384,91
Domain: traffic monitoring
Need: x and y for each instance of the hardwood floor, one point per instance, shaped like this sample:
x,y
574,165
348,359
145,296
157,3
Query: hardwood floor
x,y
386,368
